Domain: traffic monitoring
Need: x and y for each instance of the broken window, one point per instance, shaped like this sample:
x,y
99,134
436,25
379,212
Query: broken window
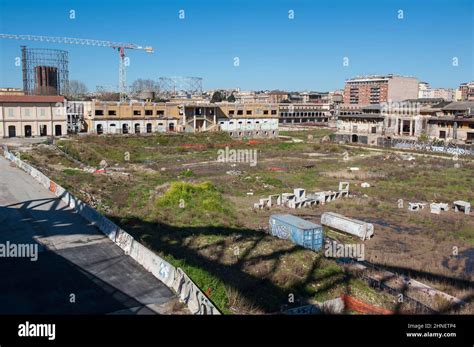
x,y
160,113
274,112
265,111
148,112
231,112
137,112
99,112
442,134
240,112
374,130
249,112
112,113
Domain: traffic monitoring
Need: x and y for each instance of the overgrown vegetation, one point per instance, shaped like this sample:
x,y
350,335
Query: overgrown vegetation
x,y
199,217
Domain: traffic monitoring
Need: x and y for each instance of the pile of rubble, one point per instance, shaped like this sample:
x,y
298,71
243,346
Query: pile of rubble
x,y
93,201
299,199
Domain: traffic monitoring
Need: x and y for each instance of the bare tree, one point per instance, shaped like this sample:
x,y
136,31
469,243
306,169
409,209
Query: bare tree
x,y
139,85
76,89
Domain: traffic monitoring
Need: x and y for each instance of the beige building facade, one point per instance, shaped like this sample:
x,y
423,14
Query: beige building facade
x,y
31,116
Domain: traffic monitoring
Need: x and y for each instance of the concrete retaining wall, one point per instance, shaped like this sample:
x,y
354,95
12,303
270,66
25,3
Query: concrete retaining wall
x,y
175,278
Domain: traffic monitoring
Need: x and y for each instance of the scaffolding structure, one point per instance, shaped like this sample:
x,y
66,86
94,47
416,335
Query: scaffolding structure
x,y
45,71
180,85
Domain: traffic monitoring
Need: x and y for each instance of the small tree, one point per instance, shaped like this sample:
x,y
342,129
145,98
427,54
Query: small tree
x,y
231,98
217,96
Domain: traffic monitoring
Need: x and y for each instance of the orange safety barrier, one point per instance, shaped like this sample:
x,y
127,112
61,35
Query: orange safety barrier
x,y
52,186
353,304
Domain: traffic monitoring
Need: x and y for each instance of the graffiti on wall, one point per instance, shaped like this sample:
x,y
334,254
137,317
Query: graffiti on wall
x,y
430,147
175,278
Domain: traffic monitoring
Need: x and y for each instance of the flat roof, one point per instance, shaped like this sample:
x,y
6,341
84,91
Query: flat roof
x,y
363,115
32,98
459,105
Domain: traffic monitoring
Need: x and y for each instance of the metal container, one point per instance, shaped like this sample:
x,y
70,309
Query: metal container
x,y
351,226
299,231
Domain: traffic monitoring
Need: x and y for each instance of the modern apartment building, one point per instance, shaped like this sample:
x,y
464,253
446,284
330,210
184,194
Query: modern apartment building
x,y
372,90
28,115
426,92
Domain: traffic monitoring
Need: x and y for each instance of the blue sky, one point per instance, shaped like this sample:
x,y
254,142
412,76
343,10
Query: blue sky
x,y
305,53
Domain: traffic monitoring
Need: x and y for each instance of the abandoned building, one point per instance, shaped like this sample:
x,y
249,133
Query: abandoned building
x,y
409,120
239,120
32,115
251,120
312,113
455,124
135,118
361,125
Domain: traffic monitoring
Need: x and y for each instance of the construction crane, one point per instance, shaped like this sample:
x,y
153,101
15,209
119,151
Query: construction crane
x,y
120,47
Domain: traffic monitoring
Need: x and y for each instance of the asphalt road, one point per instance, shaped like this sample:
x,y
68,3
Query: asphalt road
x,y
78,270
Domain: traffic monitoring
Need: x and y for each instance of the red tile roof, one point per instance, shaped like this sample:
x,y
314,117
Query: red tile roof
x,y
32,98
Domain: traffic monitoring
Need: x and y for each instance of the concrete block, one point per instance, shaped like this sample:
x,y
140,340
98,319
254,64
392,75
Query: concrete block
x,y
274,200
285,197
344,187
436,208
462,206
291,203
299,193
416,206
351,226
264,202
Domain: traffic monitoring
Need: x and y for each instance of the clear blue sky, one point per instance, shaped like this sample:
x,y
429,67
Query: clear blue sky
x,y
305,53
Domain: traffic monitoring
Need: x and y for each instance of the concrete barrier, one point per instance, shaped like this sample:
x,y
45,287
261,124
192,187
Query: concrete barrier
x,y
175,278
351,226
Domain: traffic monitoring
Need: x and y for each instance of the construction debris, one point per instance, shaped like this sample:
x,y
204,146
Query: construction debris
x,y
416,206
407,157
462,206
365,185
299,199
234,172
351,226
103,164
436,208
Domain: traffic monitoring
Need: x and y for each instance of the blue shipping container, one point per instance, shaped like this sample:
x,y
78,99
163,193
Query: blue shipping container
x,y
300,231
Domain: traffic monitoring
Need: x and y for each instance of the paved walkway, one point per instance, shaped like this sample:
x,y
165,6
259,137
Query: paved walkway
x,y
78,270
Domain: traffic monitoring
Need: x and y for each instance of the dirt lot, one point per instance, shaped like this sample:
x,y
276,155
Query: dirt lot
x,y
155,187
